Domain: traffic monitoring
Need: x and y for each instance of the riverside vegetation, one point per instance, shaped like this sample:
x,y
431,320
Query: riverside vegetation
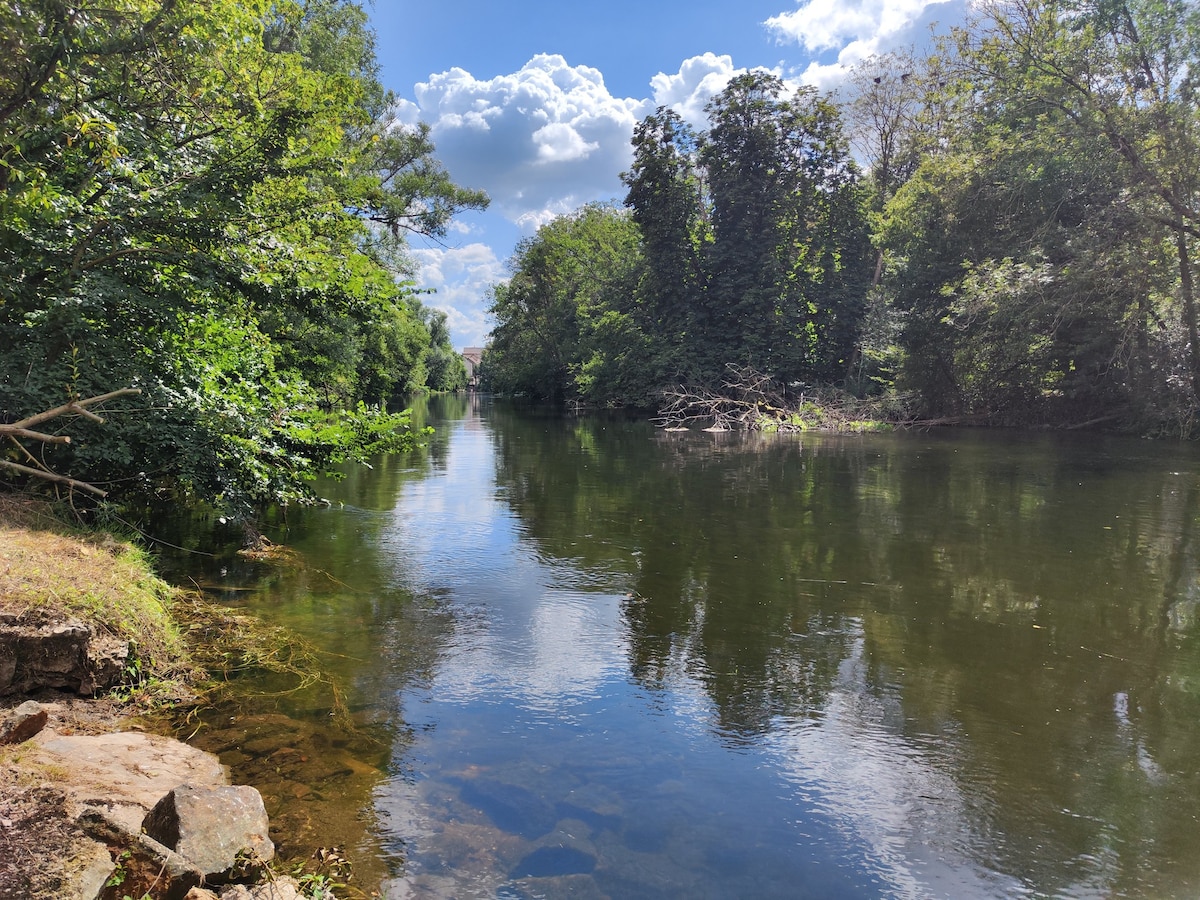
x,y
997,231
205,210
206,295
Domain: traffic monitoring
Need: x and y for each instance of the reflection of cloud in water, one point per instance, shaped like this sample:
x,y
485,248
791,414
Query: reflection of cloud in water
x,y
887,792
560,654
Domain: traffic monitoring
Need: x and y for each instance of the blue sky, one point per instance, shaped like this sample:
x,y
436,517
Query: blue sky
x,y
534,101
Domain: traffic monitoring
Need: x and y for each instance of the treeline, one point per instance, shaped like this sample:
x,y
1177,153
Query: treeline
x,y
1009,243
207,200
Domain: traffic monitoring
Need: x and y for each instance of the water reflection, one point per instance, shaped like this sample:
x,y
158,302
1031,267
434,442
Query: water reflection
x,y
633,664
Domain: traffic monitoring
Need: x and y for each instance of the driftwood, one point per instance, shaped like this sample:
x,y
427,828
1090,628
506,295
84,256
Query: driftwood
x,y
745,399
748,400
24,430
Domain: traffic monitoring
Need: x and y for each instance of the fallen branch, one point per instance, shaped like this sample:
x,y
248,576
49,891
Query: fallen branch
x,y
23,429
47,475
751,401
77,407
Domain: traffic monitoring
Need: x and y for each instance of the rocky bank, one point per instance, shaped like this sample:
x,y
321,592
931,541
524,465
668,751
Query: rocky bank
x,y
123,813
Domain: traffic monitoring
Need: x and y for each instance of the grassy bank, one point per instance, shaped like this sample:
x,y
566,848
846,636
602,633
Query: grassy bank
x,y
53,572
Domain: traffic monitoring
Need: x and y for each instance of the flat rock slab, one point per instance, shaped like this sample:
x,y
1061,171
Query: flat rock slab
x,y
126,773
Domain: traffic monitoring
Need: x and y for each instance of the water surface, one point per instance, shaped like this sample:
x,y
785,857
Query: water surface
x,y
587,659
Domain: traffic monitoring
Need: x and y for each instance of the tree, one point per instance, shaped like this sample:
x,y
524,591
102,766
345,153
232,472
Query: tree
x,y
564,322
666,202
189,191
789,259
1122,71
1026,269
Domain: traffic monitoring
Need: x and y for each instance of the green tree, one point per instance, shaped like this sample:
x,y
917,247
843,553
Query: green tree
x,y
1122,72
1025,267
789,261
565,326
667,204
187,193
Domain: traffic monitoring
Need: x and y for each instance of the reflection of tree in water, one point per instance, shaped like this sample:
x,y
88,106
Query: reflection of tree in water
x,y
1033,598
722,555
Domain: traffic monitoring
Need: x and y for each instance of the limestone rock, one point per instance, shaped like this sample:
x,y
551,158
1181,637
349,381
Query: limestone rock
x,y
126,773
147,863
65,655
23,722
279,889
85,873
222,830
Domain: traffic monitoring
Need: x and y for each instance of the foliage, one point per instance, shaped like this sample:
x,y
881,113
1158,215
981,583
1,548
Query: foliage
x,y
1036,252
746,244
566,324
206,201
1020,251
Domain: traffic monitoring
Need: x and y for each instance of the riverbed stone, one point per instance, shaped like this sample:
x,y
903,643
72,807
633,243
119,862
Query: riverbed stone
x,y
221,829
511,807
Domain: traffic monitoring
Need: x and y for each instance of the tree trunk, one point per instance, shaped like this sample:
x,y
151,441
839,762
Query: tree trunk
x,y
1187,295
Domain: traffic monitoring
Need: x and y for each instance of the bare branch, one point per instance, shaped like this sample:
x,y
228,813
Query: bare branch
x,y
15,431
51,476
76,407
22,429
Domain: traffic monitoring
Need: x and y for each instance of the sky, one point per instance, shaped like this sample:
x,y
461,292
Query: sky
x,y
535,101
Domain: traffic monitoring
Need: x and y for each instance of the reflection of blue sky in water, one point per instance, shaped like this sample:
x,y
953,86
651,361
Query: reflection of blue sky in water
x,y
532,735
895,796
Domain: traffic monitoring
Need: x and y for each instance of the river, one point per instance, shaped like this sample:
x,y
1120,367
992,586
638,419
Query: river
x,y
580,657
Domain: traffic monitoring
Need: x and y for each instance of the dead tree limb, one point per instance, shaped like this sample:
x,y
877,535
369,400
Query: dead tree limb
x,y
47,475
23,429
77,407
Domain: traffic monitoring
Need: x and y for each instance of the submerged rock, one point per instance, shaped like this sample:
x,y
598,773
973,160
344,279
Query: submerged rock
x,y
511,807
547,862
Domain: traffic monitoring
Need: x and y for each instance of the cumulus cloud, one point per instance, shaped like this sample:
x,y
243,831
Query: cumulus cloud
x,y
858,29
460,278
540,141
689,89
825,24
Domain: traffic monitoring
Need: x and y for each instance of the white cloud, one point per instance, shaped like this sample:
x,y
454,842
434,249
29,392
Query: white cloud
x,y
696,82
541,141
825,24
560,142
858,30
460,277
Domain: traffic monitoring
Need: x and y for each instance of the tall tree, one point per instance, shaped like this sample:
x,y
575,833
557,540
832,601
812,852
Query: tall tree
x,y
1027,269
666,200
1123,71
565,327
789,260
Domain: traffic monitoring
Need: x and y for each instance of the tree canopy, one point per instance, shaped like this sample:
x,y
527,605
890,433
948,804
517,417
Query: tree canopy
x,y
746,244
1011,241
208,201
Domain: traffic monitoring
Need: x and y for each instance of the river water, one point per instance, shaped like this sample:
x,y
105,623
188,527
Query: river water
x,y
584,658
